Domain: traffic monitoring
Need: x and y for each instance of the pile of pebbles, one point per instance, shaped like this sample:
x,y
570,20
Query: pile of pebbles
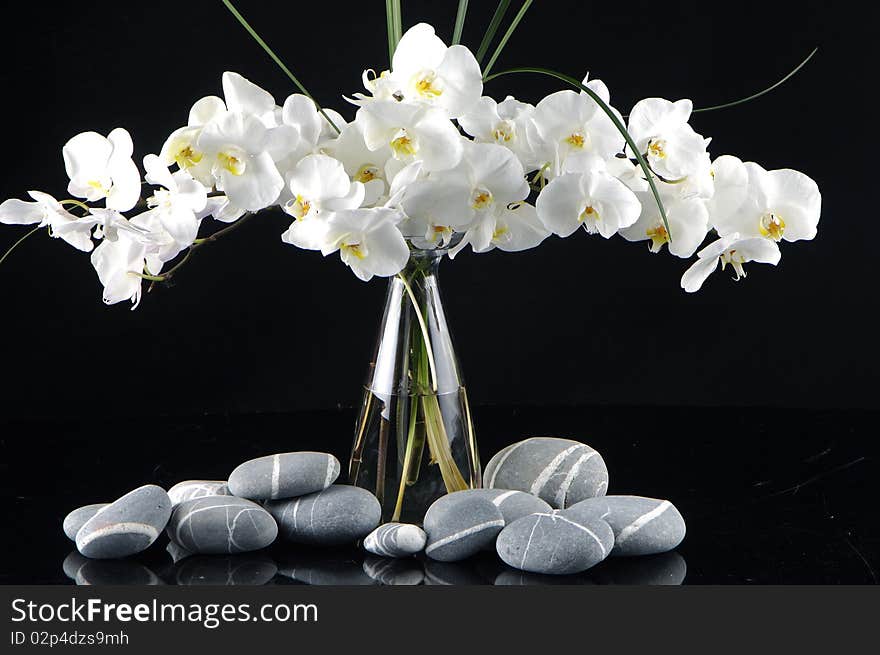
x,y
544,511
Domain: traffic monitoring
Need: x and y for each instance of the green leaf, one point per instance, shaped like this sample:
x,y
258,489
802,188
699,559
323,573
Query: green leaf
x,y
510,30
497,17
614,119
459,21
760,93
250,30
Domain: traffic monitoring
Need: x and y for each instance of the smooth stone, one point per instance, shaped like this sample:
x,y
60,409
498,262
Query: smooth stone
x,y
116,572
247,569
396,540
394,572
460,524
560,471
127,525
78,517
340,514
221,525
554,544
325,569
668,569
189,489
642,526
285,475
512,503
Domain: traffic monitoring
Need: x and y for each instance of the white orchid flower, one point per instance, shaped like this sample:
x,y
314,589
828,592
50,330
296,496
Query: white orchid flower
x,y
513,228
101,167
181,146
734,250
362,164
318,185
777,205
412,132
662,134
119,265
585,195
506,124
179,201
425,71
688,221
238,146
568,123
368,241
47,211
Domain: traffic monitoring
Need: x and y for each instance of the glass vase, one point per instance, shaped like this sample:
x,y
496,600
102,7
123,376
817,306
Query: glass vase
x,y
414,438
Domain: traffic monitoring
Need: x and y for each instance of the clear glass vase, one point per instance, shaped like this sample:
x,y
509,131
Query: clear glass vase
x,y
414,438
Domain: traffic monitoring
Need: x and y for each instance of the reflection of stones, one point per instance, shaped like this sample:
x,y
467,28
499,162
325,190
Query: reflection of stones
x,y
177,552
512,577
664,569
387,571
78,517
247,569
323,567
126,526
85,571
452,573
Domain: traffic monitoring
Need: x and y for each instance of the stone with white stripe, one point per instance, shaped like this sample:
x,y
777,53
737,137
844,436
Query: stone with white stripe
x,y
562,472
77,518
189,489
221,525
126,526
642,526
551,543
339,514
513,504
285,475
461,524
395,540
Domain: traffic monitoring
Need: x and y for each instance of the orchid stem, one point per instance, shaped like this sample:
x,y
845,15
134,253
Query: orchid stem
x,y
424,328
17,243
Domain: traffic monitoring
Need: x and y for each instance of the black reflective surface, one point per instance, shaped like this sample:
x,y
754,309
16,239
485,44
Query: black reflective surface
x,y
769,496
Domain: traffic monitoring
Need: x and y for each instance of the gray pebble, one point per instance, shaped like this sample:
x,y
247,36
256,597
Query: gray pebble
x,y
394,572
554,544
460,524
77,518
513,504
248,569
221,525
189,489
127,526
395,540
339,514
642,526
286,475
560,471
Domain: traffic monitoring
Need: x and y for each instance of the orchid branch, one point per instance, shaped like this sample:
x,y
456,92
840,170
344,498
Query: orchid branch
x,y
614,119
497,17
250,30
510,30
17,243
459,21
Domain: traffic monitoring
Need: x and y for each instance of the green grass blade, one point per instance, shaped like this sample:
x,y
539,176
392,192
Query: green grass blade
x,y
398,22
389,23
510,30
497,17
256,37
459,21
614,119
760,93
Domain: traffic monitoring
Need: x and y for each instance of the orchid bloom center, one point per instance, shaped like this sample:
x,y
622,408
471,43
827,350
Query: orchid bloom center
x,y
367,173
657,148
187,156
441,232
589,217
427,84
232,161
576,140
299,207
403,145
500,231
658,236
772,226
482,198
100,187
355,250
504,132
736,261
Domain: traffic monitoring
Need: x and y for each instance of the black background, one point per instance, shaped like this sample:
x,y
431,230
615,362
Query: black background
x,y
256,325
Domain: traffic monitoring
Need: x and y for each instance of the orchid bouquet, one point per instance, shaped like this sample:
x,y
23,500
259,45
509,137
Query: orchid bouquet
x,y
427,162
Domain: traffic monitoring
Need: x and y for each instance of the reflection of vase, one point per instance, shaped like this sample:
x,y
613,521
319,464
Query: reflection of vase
x,y
414,438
